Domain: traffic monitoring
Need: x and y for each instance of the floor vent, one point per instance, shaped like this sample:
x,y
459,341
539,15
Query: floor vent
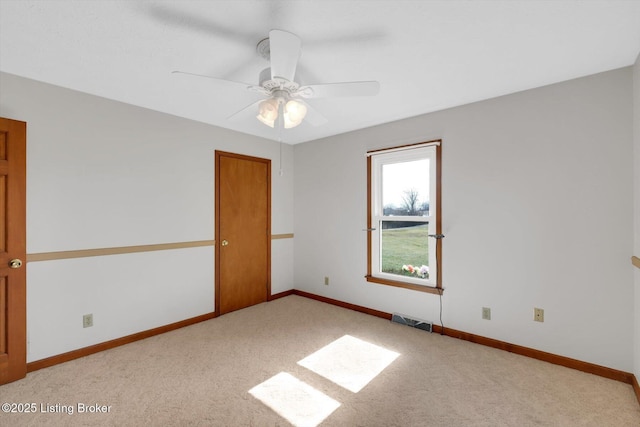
x,y
413,322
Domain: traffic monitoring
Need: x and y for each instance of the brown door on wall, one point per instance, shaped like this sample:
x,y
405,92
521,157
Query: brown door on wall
x,y
13,295
243,231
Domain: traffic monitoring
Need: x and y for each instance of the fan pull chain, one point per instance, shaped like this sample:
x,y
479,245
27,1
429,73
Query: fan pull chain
x,y
280,127
281,172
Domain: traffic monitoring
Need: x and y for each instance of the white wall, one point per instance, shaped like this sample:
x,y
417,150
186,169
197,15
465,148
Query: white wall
x,y
537,208
105,174
636,210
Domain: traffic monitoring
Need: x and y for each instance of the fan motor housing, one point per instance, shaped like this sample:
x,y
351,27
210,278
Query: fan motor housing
x,y
277,82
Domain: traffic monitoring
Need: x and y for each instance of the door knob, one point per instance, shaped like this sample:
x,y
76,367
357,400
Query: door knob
x,y
224,243
15,263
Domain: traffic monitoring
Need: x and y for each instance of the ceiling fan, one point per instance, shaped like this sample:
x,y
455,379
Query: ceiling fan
x,y
283,105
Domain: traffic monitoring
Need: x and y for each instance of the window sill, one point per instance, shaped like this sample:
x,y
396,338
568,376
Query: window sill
x,y
396,283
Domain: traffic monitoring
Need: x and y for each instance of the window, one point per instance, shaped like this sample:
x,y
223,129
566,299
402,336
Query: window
x,y
404,239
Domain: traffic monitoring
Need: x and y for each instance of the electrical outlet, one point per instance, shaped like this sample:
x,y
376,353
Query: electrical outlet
x,y
538,315
486,313
326,281
87,320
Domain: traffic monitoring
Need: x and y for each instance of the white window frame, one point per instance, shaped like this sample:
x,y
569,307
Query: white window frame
x,y
377,159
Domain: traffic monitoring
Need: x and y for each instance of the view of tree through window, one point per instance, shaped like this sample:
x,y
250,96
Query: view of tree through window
x,y
405,192
401,217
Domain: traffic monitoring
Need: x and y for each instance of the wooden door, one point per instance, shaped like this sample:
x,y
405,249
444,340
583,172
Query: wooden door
x,y
13,295
243,231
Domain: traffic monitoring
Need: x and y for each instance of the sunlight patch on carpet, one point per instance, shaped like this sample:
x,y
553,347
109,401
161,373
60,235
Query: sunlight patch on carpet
x,y
295,400
349,362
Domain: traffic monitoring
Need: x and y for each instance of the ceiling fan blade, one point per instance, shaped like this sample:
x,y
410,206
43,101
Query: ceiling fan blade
x,y
172,15
246,112
246,86
285,50
333,90
227,82
313,117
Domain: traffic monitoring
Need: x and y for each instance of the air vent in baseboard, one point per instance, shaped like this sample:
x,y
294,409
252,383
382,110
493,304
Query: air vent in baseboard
x,y
412,321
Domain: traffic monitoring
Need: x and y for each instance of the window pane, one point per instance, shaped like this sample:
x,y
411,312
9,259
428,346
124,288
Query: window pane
x,y
405,188
405,248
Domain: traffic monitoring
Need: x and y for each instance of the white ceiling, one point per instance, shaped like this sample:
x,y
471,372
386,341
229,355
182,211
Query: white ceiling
x,y
427,55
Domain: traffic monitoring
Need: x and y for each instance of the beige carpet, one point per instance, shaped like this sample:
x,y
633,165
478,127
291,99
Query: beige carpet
x,y
220,373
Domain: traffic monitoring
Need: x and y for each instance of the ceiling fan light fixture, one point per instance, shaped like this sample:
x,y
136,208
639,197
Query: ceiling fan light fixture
x,y
294,112
268,111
